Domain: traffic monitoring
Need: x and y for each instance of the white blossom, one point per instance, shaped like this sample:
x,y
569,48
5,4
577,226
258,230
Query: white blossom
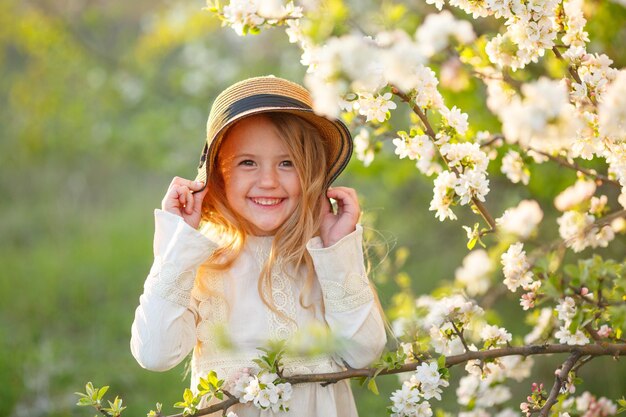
x,y
454,307
426,95
566,310
242,13
362,148
612,110
435,32
375,107
522,220
516,267
474,273
507,412
514,169
472,387
455,119
579,232
400,56
443,195
438,3
263,391
495,335
472,184
604,331
429,380
442,343
577,194
598,204
543,322
592,407
565,336
466,155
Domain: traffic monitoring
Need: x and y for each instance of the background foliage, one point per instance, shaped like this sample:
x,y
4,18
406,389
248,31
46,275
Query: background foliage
x,y
102,103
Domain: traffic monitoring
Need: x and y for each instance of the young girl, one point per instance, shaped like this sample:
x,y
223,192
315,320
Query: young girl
x,y
252,248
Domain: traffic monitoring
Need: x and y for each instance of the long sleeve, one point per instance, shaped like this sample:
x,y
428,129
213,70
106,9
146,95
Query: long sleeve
x,y
350,308
164,329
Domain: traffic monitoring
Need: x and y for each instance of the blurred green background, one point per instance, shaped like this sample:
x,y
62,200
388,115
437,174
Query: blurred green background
x,y
101,103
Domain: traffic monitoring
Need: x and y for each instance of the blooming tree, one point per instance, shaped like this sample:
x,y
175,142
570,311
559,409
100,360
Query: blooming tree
x,y
575,298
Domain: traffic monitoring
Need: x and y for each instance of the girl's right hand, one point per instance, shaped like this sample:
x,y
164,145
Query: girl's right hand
x,y
180,201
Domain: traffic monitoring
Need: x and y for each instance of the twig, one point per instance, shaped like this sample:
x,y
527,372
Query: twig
x,y
580,363
223,406
572,165
431,133
560,378
460,335
573,73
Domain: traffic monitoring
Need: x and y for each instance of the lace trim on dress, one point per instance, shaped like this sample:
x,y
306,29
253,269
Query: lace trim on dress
x,y
352,293
168,281
211,309
281,326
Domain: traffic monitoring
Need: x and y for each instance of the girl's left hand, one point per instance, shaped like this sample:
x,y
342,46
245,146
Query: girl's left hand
x,y
335,226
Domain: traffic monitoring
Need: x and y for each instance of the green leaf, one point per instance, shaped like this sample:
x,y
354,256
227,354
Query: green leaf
x,y
441,362
188,395
102,391
371,385
85,401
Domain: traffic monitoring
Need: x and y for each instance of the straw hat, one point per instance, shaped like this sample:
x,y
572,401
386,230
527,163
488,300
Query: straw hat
x,y
272,94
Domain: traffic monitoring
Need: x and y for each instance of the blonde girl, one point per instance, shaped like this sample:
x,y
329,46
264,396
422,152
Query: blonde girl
x,y
252,251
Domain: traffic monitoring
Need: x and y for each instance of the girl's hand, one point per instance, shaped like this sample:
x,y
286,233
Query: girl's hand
x,y
180,201
335,226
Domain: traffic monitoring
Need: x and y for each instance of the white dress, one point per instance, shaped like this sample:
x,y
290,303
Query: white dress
x,y
174,318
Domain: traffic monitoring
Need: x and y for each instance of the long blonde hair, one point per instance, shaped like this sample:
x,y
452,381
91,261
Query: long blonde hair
x,y
306,149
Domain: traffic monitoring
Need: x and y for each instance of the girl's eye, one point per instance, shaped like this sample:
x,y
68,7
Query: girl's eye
x,y
247,162
286,164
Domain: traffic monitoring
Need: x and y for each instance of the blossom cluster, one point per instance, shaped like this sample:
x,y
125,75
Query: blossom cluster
x,y
420,148
248,15
363,65
531,28
566,311
577,227
514,168
444,318
467,178
473,275
483,387
588,405
522,220
411,400
517,273
264,390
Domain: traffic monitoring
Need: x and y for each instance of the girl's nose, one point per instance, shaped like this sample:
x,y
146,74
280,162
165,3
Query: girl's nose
x,y
269,178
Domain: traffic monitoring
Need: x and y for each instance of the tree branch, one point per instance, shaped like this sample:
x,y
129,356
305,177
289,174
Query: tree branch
x,y
560,378
591,350
431,133
561,161
602,349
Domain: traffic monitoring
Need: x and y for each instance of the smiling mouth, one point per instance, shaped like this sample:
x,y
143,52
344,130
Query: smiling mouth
x,y
266,201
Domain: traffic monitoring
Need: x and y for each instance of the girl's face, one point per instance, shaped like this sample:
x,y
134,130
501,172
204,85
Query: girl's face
x,y
260,179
